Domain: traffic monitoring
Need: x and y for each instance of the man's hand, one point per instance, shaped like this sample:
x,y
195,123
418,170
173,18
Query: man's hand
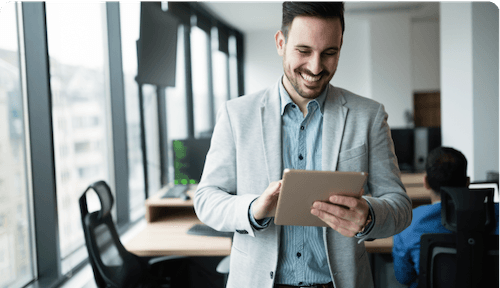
x,y
346,215
265,205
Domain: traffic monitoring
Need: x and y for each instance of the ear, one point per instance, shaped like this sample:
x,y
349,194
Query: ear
x,y
279,38
426,183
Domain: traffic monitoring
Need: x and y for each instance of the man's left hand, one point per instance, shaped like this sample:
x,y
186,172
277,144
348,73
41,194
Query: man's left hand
x,y
347,215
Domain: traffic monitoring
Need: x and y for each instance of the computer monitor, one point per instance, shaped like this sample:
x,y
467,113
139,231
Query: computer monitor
x,y
189,159
404,147
482,185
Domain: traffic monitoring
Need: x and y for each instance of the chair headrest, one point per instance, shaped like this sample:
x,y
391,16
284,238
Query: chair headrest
x,y
104,193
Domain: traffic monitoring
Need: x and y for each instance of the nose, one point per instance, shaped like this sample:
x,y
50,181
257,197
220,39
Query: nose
x,y
315,65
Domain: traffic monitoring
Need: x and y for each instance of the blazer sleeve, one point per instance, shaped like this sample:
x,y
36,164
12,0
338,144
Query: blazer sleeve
x,y
391,204
216,203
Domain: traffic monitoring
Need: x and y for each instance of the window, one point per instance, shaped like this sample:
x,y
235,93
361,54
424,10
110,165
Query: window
x,y
79,81
16,262
233,67
176,102
220,67
201,90
130,24
152,138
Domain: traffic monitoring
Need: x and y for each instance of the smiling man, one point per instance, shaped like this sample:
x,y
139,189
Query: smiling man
x,y
302,122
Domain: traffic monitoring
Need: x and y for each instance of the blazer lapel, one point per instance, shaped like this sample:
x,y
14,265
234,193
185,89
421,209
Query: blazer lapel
x,y
335,114
271,132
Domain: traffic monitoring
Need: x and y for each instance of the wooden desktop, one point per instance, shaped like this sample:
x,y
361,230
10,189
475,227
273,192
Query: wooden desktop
x,y
169,219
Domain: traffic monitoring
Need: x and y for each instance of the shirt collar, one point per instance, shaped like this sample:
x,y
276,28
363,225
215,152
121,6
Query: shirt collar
x,y
286,100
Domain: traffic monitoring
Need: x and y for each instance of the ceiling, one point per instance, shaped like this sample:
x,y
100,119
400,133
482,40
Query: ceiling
x,y
250,16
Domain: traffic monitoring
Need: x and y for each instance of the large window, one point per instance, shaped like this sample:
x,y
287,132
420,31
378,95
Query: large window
x,y
129,22
80,113
176,102
201,90
220,68
16,261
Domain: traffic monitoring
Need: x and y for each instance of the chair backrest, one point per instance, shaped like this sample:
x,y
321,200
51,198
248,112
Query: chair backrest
x,y
438,262
469,256
112,264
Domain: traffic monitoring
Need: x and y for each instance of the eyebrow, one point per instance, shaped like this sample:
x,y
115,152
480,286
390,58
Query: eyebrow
x,y
309,47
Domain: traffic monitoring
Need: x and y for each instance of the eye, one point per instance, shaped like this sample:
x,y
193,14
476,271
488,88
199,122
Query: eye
x,y
330,53
303,51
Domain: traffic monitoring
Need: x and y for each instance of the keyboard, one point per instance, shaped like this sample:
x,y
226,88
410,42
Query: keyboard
x,y
204,230
175,191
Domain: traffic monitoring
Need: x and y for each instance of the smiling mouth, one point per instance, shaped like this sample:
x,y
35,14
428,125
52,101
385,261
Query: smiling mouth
x,y
310,78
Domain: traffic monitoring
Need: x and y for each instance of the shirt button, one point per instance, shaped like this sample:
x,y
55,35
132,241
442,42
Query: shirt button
x,y
298,254
301,157
302,127
271,274
293,106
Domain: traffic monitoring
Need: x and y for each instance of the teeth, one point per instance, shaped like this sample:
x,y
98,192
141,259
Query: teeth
x,y
310,78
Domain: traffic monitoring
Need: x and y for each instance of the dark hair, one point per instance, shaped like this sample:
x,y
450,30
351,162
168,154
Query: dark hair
x,y
446,167
316,9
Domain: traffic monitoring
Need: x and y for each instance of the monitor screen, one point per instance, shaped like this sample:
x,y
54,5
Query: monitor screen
x,y
482,185
189,159
404,147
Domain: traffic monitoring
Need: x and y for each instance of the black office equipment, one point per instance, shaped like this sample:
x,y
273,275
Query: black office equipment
x,y
189,159
404,148
157,46
412,145
205,230
468,257
112,265
426,139
176,191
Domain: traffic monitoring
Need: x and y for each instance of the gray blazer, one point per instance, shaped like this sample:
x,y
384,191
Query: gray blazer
x,y
246,155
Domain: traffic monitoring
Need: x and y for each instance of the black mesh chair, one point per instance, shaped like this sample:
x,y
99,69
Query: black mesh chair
x,y
112,264
468,257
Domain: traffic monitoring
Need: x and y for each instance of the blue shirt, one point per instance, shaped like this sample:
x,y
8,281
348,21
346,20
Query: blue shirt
x,y
406,245
303,259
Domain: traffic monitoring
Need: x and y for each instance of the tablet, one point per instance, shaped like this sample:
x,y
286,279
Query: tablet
x,y
300,188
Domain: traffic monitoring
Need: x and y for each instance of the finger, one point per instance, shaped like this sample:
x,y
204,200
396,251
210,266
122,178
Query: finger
x,y
340,212
342,226
347,201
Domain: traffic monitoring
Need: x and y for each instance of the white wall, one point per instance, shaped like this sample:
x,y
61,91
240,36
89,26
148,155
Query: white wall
x,y
469,83
354,70
391,65
425,56
263,65
485,87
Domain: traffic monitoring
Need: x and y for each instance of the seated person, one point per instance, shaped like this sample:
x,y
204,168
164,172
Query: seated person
x,y
444,167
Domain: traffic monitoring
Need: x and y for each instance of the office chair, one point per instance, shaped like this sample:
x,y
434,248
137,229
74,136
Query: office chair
x,y
112,264
468,257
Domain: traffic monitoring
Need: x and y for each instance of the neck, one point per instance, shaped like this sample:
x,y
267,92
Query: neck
x,y
434,197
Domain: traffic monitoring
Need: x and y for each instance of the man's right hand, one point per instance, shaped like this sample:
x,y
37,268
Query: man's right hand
x,y
265,205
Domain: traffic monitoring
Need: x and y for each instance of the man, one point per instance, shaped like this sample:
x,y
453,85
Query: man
x,y
444,167
302,122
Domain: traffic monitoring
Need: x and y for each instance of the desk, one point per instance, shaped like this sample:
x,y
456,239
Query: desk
x,y
165,234
169,219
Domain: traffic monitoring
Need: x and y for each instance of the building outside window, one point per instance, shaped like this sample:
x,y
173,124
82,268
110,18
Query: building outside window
x,y
16,239
76,34
130,24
